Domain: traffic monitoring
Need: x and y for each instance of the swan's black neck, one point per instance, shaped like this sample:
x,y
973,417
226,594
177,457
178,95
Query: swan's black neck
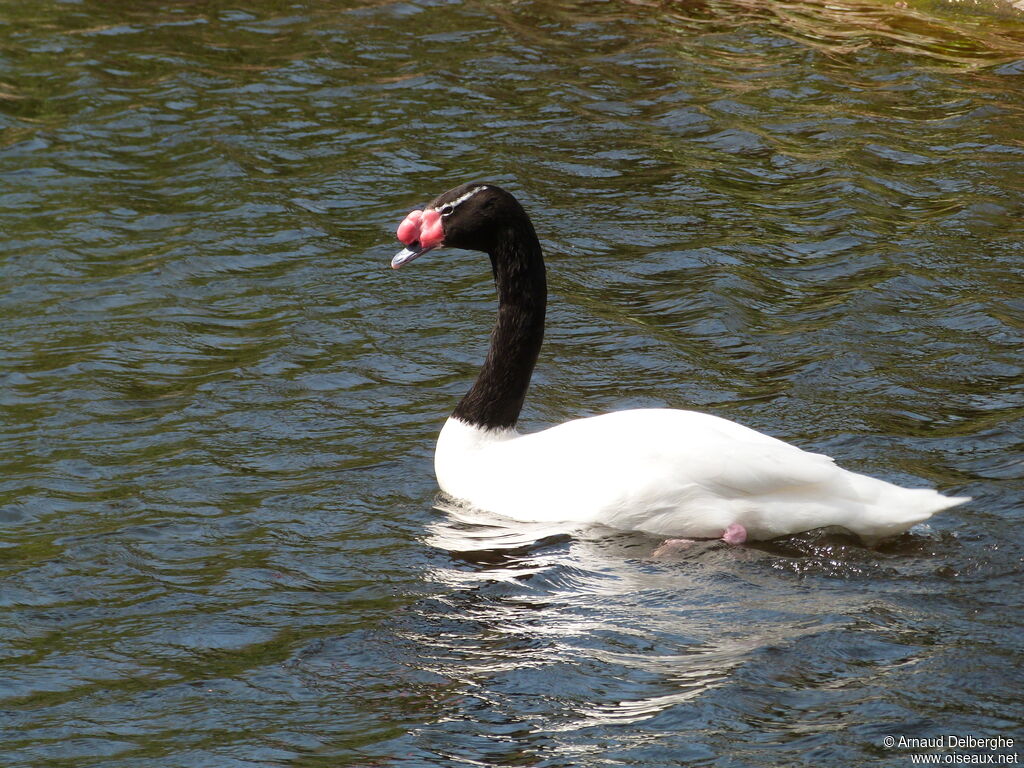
x,y
497,395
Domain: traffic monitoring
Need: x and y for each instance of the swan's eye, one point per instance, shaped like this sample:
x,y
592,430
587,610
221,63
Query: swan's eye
x,y
446,209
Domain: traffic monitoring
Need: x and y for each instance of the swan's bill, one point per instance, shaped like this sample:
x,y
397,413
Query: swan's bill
x,y
413,251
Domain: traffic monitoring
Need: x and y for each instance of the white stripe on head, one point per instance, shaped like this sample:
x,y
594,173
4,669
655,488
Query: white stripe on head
x,y
459,200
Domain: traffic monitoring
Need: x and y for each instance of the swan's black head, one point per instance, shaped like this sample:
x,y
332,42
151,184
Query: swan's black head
x,y
474,216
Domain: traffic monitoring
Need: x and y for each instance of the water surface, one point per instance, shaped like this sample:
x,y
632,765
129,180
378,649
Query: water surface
x,y
218,537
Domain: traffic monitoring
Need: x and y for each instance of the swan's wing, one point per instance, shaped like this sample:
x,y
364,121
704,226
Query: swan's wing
x,y
669,448
757,468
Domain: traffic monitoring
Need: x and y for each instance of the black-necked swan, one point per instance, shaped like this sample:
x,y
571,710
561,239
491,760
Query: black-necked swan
x,y
666,472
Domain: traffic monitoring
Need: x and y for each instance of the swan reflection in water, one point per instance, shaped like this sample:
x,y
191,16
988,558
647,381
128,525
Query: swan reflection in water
x,y
552,609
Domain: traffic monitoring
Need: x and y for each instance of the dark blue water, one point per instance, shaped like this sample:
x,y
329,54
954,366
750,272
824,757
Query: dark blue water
x,y
218,537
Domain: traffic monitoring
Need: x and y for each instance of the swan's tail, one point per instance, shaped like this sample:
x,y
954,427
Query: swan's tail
x,y
888,510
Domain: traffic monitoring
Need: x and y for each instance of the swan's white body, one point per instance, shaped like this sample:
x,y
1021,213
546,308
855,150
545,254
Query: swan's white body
x,y
669,473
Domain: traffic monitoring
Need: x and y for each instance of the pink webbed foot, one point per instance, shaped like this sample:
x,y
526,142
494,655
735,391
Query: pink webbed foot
x,y
671,546
735,534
